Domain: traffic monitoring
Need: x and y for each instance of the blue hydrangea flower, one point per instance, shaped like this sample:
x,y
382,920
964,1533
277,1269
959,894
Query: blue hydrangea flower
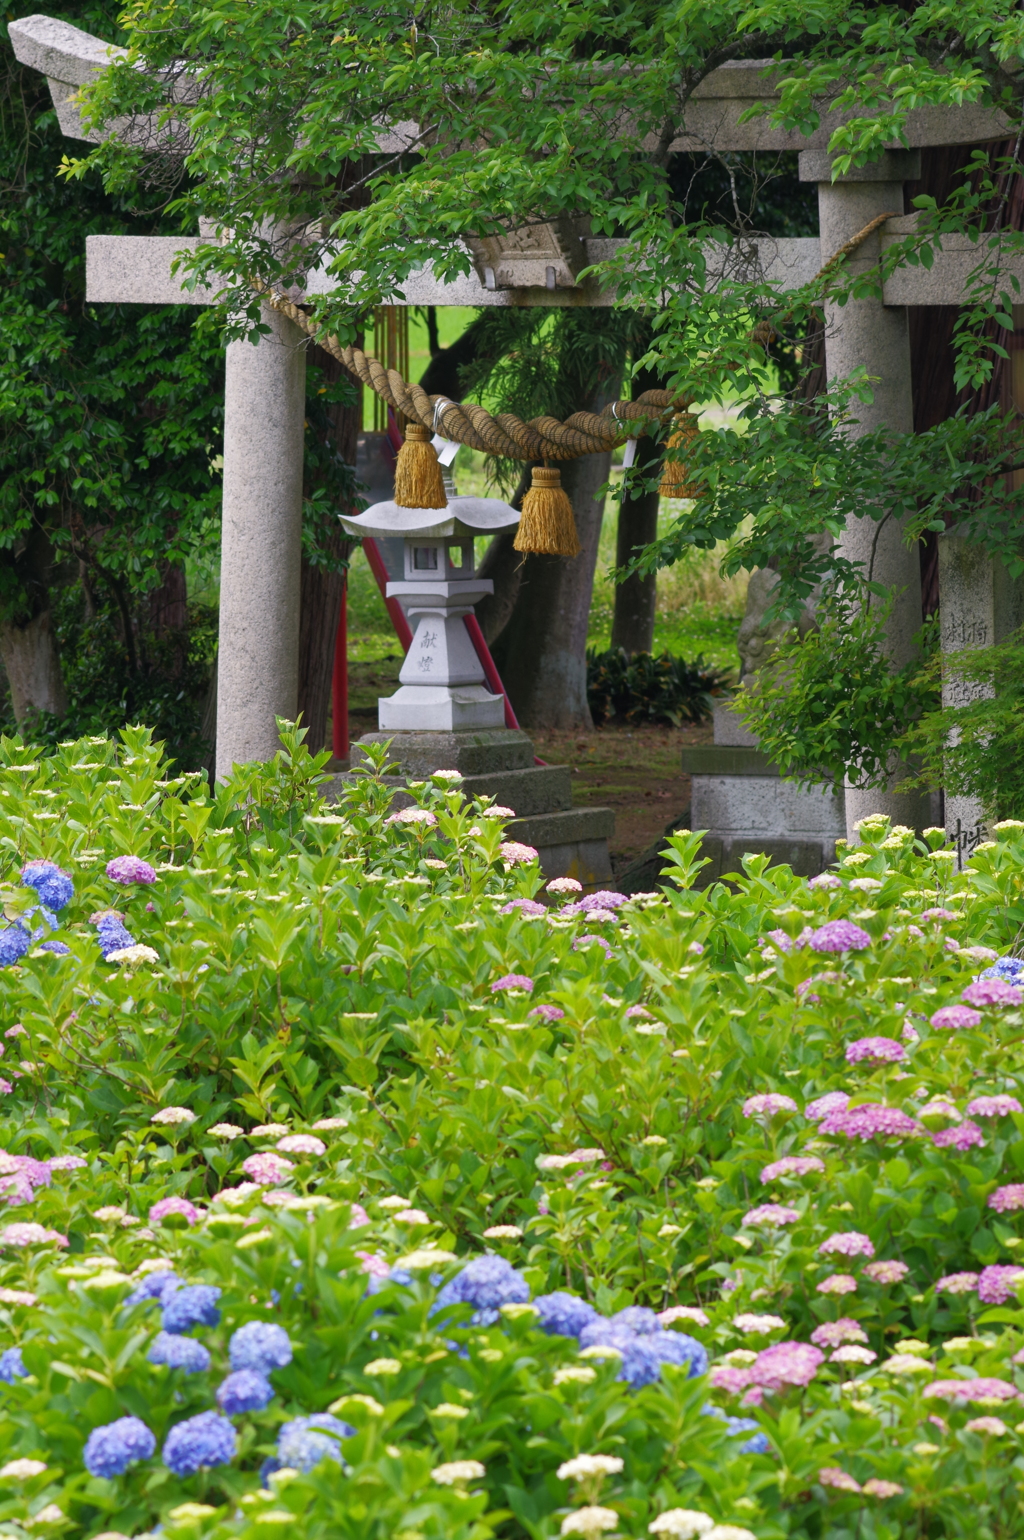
x,y
485,1283
113,937
14,943
305,1441
111,1449
152,1287
675,1347
641,1364
58,948
179,1352
54,887
756,1445
639,1319
260,1345
1008,968
244,1391
193,1304
208,1439
563,1314
11,1366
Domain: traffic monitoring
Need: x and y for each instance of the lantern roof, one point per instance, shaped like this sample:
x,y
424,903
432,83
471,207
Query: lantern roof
x,y
463,518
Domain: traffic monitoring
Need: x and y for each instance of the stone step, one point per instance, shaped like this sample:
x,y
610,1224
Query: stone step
x,y
573,843
483,752
541,789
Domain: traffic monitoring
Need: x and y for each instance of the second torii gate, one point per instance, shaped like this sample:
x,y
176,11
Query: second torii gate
x,y
265,384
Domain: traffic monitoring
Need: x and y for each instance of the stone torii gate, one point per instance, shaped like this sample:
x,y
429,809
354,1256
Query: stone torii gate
x,y
264,385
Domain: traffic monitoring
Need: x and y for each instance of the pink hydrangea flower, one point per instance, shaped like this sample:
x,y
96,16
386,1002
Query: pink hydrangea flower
x,y
822,1106
879,1049
837,1283
786,1363
67,1163
548,1012
955,1017
604,900
377,1267
993,1106
771,1214
411,816
832,1476
513,853
587,939
526,907
692,1313
302,1144
958,1283
767,1104
1005,1199
886,1272
786,943
267,1168
31,1235
963,1136
357,1218
872,1120
995,1427
792,1165
840,936
825,880
982,1389
876,1487
129,869
180,1206
847,1243
832,1333
996,1284
512,981
564,885
731,1380
992,992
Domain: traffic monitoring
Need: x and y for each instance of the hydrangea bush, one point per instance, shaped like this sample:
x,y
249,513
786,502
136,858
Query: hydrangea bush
x,y
355,1182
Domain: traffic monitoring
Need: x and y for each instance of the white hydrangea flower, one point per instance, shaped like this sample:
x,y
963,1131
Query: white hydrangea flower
x,y
586,1465
681,1523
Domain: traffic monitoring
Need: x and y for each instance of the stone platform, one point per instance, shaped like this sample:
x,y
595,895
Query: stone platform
x,y
499,763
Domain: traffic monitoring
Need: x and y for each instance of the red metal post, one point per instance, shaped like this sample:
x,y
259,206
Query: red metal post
x,y
491,674
395,610
339,682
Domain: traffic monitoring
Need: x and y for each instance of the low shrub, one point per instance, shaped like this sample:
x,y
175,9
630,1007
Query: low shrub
x,y
352,1189
643,688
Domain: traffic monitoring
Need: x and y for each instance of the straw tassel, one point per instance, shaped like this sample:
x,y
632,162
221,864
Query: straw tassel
x,y
547,527
418,482
674,479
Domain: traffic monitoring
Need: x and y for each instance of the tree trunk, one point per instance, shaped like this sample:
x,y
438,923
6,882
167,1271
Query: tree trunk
x,y
28,645
636,597
320,601
504,566
541,653
168,617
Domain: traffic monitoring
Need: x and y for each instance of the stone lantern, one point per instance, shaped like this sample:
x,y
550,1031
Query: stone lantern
x,y
441,684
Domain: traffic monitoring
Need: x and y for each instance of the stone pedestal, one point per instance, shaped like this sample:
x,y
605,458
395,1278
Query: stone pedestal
x,y
981,605
499,763
747,809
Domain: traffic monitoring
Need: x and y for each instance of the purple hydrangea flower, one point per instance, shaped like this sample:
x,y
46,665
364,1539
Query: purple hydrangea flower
x,y
564,1315
840,936
11,1366
512,981
873,1120
996,1284
958,1283
833,1333
955,1017
260,1346
1005,1199
603,900
980,1389
176,1206
129,869
879,1049
962,1136
527,907
548,1012
770,1214
886,1272
304,1441
767,1104
787,1363
792,1165
823,1106
587,939
992,992
14,943
993,1106
848,1243
825,880
54,886
190,1305
244,1391
177,1352
67,1163
485,1283
208,1439
110,1450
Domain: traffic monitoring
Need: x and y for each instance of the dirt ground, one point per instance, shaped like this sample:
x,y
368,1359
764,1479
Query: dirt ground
x,y
633,770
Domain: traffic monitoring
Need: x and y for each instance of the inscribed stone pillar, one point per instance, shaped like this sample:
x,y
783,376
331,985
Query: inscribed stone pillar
x,y
261,542
866,334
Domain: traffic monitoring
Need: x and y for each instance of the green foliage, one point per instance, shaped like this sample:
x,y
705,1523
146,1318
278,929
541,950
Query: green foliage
x,y
331,970
976,748
643,688
830,705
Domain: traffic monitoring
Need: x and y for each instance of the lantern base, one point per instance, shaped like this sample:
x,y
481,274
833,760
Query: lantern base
x,y
440,709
